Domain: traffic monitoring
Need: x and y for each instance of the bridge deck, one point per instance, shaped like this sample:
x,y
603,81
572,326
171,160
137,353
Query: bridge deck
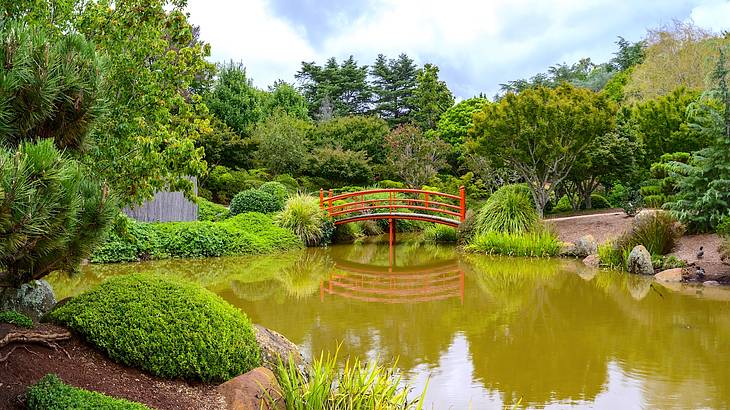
x,y
398,215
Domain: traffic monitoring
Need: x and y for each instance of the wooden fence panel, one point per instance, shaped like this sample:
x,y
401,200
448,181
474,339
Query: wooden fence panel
x,y
166,207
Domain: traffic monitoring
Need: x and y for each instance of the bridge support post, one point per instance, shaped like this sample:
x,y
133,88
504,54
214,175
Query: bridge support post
x,y
391,247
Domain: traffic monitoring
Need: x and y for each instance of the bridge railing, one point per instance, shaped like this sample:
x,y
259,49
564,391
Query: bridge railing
x,y
391,201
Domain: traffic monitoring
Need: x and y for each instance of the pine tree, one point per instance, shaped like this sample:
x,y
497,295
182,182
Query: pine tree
x,y
431,97
704,183
51,212
394,83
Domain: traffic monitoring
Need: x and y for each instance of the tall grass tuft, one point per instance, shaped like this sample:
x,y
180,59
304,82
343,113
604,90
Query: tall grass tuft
x,y
440,233
509,210
541,243
303,216
357,386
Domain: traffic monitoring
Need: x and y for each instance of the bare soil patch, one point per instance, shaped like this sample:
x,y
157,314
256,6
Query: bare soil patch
x,y
80,365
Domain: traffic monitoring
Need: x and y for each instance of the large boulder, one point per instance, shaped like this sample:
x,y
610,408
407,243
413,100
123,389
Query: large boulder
x,y
670,275
592,260
275,346
584,246
255,390
639,261
33,299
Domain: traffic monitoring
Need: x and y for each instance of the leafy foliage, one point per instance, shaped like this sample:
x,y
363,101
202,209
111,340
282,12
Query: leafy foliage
x,y
277,190
146,141
254,200
509,210
343,86
303,216
283,143
440,233
431,98
340,166
244,234
704,183
662,187
514,133
354,133
211,212
394,83
234,100
168,327
534,244
454,124
224,183
413,156
16,318
356,386
50,393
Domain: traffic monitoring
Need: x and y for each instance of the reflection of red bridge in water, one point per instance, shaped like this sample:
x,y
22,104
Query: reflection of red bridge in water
x,y
387,284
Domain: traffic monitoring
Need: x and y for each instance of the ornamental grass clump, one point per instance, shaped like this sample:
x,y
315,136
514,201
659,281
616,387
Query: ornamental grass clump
x,y
50,393
167,327
541,243
440,233
509,210
356,386
303,216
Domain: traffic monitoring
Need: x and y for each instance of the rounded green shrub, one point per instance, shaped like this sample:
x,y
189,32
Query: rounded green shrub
x,y
211,212
510,210
254,200
288,181
50,393
167,327
278,190
563,205
388,184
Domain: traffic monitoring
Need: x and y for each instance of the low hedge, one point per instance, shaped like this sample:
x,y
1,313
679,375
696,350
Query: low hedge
x,y
254,200
50,393
243,234
211,212
167,327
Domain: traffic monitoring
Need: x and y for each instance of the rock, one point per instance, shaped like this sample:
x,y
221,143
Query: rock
x,y
711,283
257,389
640,261
567,249
585,246
670,275
592,261
33,299
274,346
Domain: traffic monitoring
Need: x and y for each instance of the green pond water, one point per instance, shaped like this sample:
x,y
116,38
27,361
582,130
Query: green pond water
x,y
484,331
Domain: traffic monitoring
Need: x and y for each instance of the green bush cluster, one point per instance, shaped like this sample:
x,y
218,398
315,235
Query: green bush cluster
x,y
243,234
50,393
223,183
167,327
535,244
278,191
16,318
600,202
211,212
658,231
254,200
563,205
510,210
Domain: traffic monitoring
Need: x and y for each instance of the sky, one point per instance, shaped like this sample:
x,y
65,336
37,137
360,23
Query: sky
x,y
477,44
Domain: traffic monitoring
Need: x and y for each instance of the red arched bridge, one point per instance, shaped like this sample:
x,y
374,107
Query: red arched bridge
x,y
392,204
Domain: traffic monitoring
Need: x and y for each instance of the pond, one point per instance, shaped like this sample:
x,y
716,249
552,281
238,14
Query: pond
x,y
483,331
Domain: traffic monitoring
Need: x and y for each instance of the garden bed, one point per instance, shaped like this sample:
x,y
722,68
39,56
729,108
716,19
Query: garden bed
x,y
80,365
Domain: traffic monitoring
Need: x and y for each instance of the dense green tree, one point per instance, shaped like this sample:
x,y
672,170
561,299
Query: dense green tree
x,y
431,97
354,133
53,16
225,147
234,100
414,157
340,167
282,96
662,186
455,122
146,143
609,157
282,143
52,211
662,125
394,83
628,54
541,132
340,89
704,183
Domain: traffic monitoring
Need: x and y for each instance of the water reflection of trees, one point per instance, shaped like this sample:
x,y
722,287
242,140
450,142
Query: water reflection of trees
x,y
543,330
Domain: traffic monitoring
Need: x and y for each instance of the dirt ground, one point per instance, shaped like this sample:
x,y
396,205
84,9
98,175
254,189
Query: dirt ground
x,y
611,225
77,364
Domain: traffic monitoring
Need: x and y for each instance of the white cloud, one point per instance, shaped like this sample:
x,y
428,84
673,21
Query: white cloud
x,y
477,43
714,15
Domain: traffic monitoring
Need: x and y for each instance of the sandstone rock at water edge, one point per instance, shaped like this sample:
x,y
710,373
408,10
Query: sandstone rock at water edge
x,y
670,275
592,260
639,261
33,299
255,390
275,346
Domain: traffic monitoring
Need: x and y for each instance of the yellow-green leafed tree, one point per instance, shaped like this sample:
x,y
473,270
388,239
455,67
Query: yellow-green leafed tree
x,y
679,55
